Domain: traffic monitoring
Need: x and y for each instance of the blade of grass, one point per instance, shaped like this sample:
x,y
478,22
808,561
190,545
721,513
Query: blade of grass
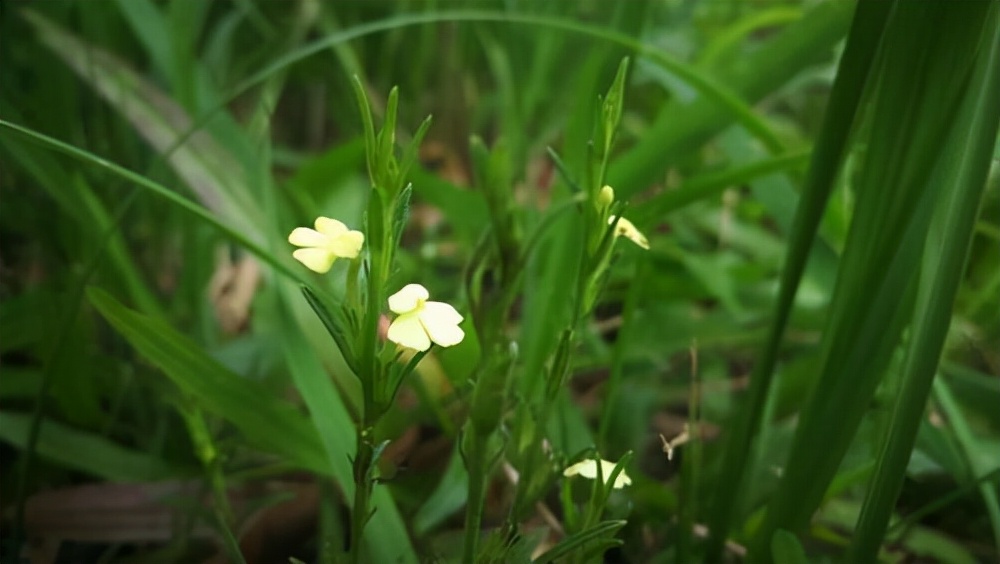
x,y
725,43
866,31
770,67
267,421
211,171
965,160
161,191
87,452
78,200
920,84
970,447
681,128
55,355
712,184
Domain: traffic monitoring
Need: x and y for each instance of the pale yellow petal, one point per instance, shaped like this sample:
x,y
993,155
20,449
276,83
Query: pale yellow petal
x,y
406,330
305,237
588,469
621,481
330,227
408,298
628,229
584,467
317,260
441,321
443,312
347,245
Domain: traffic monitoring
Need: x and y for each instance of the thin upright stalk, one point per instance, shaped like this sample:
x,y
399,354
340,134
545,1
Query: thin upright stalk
x,y
476,463
362,490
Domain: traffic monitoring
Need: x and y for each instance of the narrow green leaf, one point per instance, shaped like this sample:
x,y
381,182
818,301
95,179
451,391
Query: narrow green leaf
x,y
267,421
161,191
210,170
578,541
712,184
920,86
412,150
965,157
335,326
401,215
681,127
366,122
862,43
87,452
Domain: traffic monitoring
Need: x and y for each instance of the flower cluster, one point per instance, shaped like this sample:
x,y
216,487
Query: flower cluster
x,y
419,323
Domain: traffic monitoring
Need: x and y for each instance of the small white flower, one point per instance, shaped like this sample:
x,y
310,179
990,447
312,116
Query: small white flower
x,y
329,241
421,322
588,469
627,228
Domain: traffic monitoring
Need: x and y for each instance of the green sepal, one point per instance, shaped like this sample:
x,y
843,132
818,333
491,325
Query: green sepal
x,y
368,124
401,214
611,108
387,171
375,225
413,149
397,373
376,454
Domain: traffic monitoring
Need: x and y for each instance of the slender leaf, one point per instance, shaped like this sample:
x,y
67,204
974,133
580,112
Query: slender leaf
x,y
267,421
87,452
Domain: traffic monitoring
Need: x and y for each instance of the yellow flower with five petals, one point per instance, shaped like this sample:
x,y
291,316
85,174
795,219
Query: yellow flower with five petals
x,y
421,322
321,246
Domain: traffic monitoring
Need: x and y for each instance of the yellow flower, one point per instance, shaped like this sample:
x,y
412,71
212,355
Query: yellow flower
x,y
329,241
588,469
627,228
421,322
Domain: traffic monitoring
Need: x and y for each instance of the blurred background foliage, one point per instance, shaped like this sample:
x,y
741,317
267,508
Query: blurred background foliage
x,y
238,122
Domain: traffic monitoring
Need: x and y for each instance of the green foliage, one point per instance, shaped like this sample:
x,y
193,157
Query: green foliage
x,y
800,367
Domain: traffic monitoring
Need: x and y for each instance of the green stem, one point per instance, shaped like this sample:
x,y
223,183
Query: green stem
x,y
477,495
362,490
209,456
